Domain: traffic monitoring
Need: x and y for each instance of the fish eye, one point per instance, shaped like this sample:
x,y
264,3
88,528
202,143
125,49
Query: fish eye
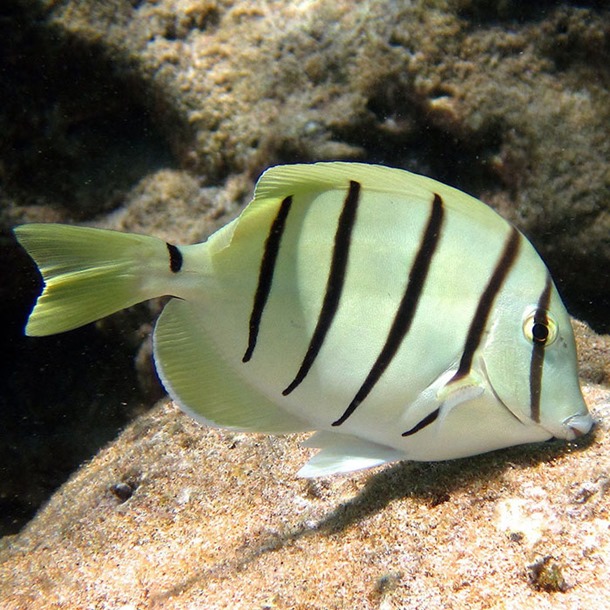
x,y
540,328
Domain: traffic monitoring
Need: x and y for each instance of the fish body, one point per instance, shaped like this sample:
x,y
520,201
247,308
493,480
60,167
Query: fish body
x,y
398,317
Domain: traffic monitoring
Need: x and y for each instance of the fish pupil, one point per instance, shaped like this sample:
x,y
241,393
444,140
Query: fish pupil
x,y
540,332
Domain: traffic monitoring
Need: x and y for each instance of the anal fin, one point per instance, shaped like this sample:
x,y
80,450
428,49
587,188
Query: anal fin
x,y
206,386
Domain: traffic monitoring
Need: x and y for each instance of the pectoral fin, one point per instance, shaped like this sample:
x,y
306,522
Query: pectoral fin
x,y
438,400
462,390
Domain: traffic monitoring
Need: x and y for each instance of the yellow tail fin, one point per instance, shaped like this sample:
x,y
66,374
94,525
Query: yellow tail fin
x,y
90,273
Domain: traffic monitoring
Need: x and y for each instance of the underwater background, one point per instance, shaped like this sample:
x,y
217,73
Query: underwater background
x,y
158,117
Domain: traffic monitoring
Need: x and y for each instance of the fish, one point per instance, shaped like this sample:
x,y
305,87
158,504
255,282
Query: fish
x,y
395,317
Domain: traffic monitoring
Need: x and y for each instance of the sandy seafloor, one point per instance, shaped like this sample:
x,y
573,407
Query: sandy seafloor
x,y
157,117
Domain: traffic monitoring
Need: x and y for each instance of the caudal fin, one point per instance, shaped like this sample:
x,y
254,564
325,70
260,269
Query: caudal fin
x,y
90,273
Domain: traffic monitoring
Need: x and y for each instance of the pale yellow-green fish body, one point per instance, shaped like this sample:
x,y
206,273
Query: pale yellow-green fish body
x,y
400,318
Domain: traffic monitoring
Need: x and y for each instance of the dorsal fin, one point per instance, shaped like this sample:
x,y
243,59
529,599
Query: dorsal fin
x,y
281,180
299,180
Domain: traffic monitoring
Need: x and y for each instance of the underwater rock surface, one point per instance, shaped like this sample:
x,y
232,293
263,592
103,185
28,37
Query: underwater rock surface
x,y
157,117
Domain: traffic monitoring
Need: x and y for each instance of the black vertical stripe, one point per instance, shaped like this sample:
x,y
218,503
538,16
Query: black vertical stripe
x,y
479,321
537,361
431,417
265,275
334,285
407,307
175,258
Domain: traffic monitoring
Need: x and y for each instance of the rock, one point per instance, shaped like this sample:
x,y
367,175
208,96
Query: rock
x,y
594,354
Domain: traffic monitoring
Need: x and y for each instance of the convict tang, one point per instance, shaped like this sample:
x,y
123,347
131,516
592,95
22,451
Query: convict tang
x,y
398,317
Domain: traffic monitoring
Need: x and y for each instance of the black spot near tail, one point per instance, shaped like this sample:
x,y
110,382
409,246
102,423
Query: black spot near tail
x,y
175,258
